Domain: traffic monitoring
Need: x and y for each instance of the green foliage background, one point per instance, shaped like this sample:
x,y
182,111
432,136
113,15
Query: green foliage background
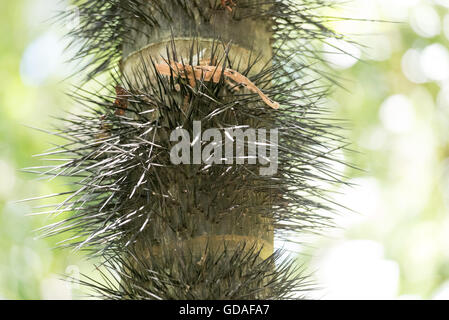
x,y
395,246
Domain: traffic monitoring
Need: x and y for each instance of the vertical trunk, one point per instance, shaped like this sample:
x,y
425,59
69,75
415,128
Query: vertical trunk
x,y
208,216
198,230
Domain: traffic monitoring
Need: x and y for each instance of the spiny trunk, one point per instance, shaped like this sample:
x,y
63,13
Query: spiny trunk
x,y
199,230
208,217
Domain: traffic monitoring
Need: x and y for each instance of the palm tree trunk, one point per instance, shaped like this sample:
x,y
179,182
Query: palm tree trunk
x,y
211,222
193,229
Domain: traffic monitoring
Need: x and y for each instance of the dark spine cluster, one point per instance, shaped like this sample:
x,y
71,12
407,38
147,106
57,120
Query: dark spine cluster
x,y
131,205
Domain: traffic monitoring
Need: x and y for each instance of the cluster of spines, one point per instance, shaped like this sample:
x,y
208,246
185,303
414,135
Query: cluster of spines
x,y
123,194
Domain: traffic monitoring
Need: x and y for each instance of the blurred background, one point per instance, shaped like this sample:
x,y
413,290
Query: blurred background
x,y
396,243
